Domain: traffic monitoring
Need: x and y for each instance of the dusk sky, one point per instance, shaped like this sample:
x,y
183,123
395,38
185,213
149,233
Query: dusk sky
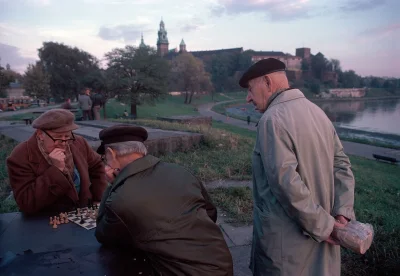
x,y
363,34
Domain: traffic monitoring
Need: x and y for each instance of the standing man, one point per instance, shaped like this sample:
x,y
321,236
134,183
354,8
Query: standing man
x,y
85,104
303,185
55,170
98,102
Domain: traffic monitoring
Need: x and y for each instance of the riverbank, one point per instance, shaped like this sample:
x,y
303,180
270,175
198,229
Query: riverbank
x,y
341,113
354,99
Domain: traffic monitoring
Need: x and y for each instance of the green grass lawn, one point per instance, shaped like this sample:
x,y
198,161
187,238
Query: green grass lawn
x,y
169,106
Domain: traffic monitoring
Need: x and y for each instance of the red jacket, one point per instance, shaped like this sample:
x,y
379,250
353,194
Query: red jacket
x,y
39,186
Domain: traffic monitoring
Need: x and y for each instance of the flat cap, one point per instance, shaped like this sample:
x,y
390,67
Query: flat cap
x,y
56,120
261,68
121,133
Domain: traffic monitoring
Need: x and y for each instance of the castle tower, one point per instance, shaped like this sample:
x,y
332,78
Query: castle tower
x,y
142,45
304,53
162,41
182,47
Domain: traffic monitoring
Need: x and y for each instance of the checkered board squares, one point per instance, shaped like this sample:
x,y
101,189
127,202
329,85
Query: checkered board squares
x,y
89,222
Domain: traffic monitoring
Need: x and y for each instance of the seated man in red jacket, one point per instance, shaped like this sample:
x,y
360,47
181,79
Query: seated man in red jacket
x,y
55,170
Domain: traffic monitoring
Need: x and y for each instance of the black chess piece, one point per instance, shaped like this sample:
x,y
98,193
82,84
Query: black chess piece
x,y
82,220
76,211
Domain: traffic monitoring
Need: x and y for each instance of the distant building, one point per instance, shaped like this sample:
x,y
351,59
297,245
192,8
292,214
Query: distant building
x,y
348,92
293,62
142,45
162,41
15,90
182,47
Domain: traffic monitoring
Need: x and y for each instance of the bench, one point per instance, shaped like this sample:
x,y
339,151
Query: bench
x,y
385,158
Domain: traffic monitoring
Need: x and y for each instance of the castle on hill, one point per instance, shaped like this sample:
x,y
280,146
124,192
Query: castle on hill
x,y
293,63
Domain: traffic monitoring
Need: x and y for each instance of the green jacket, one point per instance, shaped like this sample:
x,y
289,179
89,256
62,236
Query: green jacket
x,y
163,210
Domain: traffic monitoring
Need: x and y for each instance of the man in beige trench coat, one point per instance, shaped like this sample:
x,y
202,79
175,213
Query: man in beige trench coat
x,y
303,185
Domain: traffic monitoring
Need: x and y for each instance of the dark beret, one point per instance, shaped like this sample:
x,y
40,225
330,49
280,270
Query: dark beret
x,y
261,68
56,120
121,133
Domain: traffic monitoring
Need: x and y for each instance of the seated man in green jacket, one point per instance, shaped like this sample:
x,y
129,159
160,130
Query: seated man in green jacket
x,y
158,208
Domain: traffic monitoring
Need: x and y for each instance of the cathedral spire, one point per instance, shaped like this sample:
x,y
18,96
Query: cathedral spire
x,y
162,41
142,42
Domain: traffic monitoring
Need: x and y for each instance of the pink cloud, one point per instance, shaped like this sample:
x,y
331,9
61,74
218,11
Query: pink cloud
x,y
276,9
382,31
383,63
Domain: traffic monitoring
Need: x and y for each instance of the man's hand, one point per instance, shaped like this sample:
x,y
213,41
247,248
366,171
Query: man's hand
x,y
57,157
338,224
342,219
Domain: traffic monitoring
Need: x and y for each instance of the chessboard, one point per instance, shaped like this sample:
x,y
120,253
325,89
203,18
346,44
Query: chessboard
x,y
84,217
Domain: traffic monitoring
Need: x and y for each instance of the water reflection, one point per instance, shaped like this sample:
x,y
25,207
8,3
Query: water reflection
x,y
380,116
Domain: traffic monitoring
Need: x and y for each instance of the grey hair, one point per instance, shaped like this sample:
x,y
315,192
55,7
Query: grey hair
x,y
125,148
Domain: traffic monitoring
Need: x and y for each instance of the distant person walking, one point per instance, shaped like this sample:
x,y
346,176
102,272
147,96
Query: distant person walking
x,y
98,102
85,104
67,104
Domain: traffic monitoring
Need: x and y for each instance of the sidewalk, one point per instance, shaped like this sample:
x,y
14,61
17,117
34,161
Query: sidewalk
x,y
350,148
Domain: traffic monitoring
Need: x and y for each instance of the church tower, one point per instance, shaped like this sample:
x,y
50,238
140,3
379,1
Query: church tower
x,y
162,41
142,45
182,47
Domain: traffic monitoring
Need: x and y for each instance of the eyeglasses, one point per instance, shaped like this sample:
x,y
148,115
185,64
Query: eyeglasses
x,y
103,158
56,140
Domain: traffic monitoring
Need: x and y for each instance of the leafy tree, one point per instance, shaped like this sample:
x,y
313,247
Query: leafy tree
x,y
6,77
315,86
68,67
37,82
349,79
188,72
319,65
305,65
390,85
138,75
336,65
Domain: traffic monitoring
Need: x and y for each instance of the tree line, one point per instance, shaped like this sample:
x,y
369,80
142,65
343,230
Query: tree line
x,y
137,75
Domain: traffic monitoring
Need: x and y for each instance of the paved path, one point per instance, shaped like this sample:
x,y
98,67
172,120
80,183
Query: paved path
x,y
350,148
27,110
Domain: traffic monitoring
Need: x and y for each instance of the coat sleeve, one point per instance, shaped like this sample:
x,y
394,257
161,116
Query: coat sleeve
x,y
280,163
344,183
110,230
96,172
211,210
34,192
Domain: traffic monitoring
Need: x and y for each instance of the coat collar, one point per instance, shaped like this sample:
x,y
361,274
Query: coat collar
x,y
135,167
284,96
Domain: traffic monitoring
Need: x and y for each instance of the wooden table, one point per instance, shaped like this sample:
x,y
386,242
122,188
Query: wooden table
x,y
30,246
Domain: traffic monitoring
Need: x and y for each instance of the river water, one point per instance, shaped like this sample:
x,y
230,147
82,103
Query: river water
x,y
372,119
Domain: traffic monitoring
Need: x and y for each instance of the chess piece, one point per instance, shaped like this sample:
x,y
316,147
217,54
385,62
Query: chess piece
x,y
58,220
51,221
66,220
76,211
55,225
82,220
62,220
